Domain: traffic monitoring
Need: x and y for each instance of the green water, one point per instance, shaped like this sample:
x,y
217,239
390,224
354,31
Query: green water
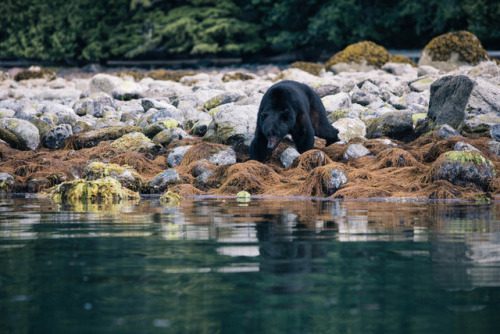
x,y
268,266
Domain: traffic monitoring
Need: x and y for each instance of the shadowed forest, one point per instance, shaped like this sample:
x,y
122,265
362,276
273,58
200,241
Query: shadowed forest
x,y
81,31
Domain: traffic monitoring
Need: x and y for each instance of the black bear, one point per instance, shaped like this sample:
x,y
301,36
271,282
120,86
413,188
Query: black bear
x,y
290,107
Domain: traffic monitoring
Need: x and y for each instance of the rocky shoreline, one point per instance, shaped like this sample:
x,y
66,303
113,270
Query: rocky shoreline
x,y
405,131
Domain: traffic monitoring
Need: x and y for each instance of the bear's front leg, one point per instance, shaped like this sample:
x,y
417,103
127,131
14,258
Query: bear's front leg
x,y
258,147
303,134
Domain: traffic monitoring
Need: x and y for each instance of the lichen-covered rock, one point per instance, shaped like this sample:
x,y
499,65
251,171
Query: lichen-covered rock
x,y
233,125
223,157
128,90
174,158
6,182
462,101
94,137
308,67
288,156
486,69
362,56
452,50
400,59
127,176
101,190
95,105
350,128
160,182
463,168
27,134
136,142
55,138
395,125
157,127
355,151
168,136
64,114
169,74
104,83
340,101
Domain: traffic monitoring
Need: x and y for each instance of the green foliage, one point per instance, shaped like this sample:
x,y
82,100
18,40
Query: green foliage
x,y
97,30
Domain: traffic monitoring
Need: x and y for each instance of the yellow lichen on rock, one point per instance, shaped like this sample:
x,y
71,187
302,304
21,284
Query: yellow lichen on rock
x,y
400,59
105,189
466,45
369,52
312,68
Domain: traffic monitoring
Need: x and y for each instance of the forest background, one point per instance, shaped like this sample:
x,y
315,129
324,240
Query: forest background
x,y
83,31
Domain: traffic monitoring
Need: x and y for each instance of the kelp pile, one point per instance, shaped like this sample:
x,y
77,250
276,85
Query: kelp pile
x,y
402,170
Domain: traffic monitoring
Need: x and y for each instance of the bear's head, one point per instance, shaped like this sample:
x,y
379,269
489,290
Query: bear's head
x,y
276,124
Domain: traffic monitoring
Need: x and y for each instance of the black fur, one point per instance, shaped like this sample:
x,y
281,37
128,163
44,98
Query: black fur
x,y
290,107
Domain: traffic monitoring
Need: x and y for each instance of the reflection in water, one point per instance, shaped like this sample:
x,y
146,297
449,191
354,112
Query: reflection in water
x,y
216,265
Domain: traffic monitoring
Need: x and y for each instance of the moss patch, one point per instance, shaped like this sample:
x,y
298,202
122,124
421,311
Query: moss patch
x,y
372,53
236,76
308,67
466,45
169,74
400,59
35,74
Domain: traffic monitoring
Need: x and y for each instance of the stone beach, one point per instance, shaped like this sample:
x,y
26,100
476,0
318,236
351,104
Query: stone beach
x,y
402,131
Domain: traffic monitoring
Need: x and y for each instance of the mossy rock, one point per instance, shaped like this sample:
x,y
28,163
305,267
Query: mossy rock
x,y
35,73
94,137
233,76
463,168
368,52
449,51
101,190
400,59
171,198
11,139
312,68
126,175
169,74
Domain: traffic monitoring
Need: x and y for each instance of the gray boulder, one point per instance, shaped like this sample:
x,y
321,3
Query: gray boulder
x,y
340,101
163,180
233,125
494,146
55,137
27,134
167,136
447,131
463,146
326,89
395,125
174,159
155,103
224,157
495,132
95,105
350,128
223,98
127,90
333,180
462,101
104,83
64,114
288,156
463,168
355,151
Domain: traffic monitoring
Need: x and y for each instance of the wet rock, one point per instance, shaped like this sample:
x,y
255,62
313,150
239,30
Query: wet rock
x,y
494,146
174,158
395,125
463,168
27,134
127,90
160,182
495,132
462,146
233,125
463,101
127,176
340,101
355,151
350,128
95,105
55,137
447,131
288,156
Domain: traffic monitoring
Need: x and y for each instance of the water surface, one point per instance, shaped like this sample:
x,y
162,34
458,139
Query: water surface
x,y
267,266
